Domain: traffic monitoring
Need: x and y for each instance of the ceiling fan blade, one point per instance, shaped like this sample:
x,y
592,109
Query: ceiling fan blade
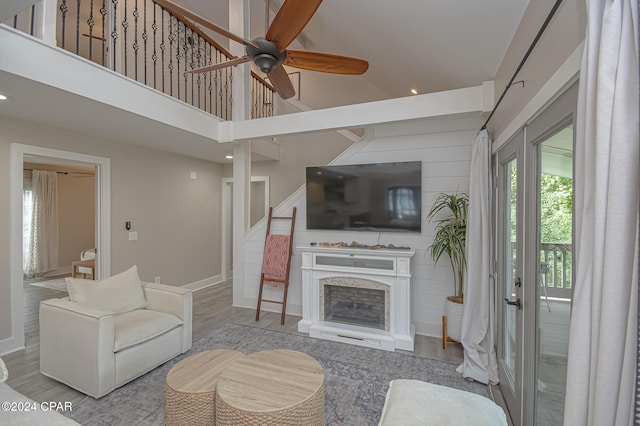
x,y
290,20
325,62
176,8
213,67
281,82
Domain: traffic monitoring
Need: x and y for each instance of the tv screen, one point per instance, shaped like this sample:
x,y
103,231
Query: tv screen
x,y
365,197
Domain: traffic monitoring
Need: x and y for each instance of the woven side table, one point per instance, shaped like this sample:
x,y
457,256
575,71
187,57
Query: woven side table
x,y
271,388
191,387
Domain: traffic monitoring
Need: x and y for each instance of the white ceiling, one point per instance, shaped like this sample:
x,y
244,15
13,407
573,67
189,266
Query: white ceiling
x,y
426,45
410,44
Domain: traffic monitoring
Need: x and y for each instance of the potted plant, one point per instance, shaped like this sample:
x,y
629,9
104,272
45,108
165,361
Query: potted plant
x,y
449,239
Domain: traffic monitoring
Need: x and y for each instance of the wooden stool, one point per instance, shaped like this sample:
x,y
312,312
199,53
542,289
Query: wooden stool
x,y
278,387
191,387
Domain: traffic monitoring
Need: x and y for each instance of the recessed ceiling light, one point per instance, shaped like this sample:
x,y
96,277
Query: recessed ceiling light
x,y
2,97
414,91
228,157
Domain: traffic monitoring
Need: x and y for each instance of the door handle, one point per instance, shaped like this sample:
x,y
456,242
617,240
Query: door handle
x,y
516,303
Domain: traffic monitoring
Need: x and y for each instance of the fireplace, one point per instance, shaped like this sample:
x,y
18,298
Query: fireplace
x,y
355,301
357,296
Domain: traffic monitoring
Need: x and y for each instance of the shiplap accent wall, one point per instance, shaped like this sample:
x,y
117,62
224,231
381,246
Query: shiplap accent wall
x,y
444,147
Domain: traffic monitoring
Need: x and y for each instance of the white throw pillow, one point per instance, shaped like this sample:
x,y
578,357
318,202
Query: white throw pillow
x,y
118,294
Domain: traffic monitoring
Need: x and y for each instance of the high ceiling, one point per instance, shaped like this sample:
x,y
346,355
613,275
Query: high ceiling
x,y
410,44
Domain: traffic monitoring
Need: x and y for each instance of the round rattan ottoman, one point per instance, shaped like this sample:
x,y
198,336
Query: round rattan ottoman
x,y
191,387
277,387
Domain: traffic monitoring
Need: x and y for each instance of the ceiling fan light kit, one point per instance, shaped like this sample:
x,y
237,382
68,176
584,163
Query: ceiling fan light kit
x,y
266,56
269,53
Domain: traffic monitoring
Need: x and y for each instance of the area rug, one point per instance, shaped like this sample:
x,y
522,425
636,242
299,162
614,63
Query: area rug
x,y
59,284
356,378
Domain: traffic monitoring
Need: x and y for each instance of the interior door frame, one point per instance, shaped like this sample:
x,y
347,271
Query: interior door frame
x,y
227,223
102,227
512,149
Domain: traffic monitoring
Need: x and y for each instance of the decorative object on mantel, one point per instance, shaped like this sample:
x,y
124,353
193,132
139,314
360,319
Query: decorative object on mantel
x,y
355,244
449,238
276,262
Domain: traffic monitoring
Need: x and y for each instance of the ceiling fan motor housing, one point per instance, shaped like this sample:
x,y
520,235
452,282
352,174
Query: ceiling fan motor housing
x,y
266,56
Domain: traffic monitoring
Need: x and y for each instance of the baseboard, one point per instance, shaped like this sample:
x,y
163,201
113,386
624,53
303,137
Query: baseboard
x,y
207,282
266,307
10,345
60,271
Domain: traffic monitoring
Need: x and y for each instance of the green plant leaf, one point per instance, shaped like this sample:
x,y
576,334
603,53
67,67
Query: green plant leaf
x,y
451,232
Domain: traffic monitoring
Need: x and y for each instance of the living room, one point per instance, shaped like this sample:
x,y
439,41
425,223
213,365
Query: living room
x,y
179,218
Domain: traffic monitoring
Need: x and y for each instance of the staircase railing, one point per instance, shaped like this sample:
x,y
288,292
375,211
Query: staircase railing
x,y
141,40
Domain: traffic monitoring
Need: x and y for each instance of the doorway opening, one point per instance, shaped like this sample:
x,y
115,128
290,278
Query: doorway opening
x,y
259,209
34,156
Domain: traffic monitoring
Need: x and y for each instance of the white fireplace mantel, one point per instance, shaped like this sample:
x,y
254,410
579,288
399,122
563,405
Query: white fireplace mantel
x,y
390,267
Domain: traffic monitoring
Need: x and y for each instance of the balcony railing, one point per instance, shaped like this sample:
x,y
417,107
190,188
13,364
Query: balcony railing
x,y
555,269
139,39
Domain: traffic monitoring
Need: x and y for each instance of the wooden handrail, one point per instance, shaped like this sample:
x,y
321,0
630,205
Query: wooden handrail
x,y
212,42
198,31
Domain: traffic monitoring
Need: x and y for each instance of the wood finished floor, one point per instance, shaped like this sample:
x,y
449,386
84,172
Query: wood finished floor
x,y
211,310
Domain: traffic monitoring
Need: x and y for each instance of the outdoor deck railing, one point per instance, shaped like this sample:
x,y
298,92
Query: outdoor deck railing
x,y
555,269
141,40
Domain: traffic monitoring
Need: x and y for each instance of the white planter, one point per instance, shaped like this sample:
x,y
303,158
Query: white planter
x,y
453,312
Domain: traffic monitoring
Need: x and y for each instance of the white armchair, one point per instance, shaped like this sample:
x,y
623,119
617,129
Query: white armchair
x,y
108,333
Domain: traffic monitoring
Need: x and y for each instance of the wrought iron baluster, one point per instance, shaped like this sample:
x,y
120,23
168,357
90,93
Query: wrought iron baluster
x,y
32,29
63,11
163,46
103,12
228,88
114,33
185,49
90,23
154,56
135,46
171,38
145,36
204,87
78,27
125,26
199,77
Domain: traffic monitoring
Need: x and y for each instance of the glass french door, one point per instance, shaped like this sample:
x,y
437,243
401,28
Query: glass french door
x,y
534,253
510,180
553,271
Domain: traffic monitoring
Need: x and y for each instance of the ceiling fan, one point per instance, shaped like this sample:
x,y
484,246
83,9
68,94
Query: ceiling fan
x,y
270,52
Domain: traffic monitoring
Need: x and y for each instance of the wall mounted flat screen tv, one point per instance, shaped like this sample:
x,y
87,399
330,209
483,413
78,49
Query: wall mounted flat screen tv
x,y
382,197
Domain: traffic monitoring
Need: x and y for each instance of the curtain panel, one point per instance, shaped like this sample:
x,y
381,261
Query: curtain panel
x,y
603,336
40,223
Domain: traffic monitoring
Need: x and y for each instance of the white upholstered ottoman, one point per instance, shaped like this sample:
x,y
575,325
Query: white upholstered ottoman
x,y
414,402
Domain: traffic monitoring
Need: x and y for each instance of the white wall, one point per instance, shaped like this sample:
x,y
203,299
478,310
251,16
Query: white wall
x,y
444,146
177,218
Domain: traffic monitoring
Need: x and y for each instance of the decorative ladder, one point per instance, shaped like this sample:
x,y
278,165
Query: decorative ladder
x,y
276,262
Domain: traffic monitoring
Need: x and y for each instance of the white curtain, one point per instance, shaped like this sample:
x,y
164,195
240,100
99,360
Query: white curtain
x,y
40,208
603,339
478,318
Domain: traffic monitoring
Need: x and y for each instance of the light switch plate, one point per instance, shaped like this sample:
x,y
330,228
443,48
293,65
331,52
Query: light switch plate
x,y
133,236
